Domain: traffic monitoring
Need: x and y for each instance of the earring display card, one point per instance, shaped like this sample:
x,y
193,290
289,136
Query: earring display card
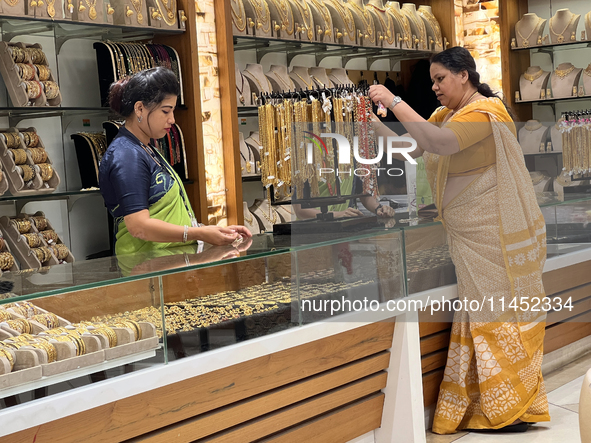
x,y
49,9
13,9
165,12
131,13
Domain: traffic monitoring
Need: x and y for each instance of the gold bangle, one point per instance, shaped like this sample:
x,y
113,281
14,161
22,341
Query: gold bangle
x,y
27,172
19,155
40,222
8,355
5,315
52,90
6,261
46,171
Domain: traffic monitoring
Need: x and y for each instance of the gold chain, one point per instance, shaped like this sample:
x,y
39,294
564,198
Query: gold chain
x,y
427,15
561,36
307,17
420,26
284,12
278,77
525,40
238,17
169,12
366,18
389,35
345,14
404,24
562,73
258,82
310,85
534,76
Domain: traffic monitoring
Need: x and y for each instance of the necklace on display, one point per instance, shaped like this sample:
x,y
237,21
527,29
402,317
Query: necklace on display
x,y
345,14
238,17
560,35
532,126
259,83
92,11
562,73
386,27
262,13
248,220
531,77
430,18
169,17
306,17
308,85
366,18
525,40
317,80
242,100
284,12
420,27
280,78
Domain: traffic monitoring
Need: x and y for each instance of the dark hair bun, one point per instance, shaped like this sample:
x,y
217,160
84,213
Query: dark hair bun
x,y
116,94
150,86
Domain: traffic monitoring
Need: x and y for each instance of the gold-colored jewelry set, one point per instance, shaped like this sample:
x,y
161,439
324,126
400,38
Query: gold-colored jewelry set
x,y
346,12
202,312
97,142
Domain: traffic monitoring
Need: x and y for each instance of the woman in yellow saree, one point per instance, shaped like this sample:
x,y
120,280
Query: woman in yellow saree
x,y
497,240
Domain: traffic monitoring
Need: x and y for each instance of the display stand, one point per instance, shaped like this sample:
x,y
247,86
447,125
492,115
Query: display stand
x,y
130,13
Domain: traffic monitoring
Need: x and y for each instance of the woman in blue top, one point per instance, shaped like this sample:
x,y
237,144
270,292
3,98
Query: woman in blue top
x,y
142,192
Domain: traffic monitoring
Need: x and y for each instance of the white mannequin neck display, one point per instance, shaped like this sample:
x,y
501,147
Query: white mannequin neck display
x,y
564,77
250,221
256,79
587,79
531,136
433,28
242,89
278,75
265,213
562,26
366,28
405,37
338,76
258,11
384,23
343,22
320,78
304,19
529,29
532,81
416,24
541,180
556,137
322,21
301,78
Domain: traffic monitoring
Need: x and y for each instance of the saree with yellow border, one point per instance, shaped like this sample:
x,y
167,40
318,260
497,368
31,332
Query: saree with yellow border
x,y
497,240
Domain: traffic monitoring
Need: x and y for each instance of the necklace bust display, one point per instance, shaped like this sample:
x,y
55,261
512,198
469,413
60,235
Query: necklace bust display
x,y
257,12
366,28
532,82
282,19
320,78
278,75
338,76
249,220
256,79
343,22
564,77
301,78
587,79
404,39
242,89
556,137
433,28
531,136
529,30
417,26
304,19
265,214
384,21
322,20
563,26
239,20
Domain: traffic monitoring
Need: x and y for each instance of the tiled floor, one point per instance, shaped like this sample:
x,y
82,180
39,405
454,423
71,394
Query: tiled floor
x,y
564,387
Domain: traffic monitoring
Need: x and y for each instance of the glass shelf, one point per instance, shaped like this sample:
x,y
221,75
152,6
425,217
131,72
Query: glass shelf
x,y
556,47
53,196
265,45
553,101
67,29
48,111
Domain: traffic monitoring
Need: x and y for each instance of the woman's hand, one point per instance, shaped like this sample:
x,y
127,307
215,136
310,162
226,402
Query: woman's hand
x,y
379,93
216,235
242,230
349,212
385,211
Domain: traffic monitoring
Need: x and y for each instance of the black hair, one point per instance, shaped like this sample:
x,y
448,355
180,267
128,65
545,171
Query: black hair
x,y
458,59
150,86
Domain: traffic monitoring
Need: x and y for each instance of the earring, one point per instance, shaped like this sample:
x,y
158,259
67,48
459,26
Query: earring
x,y
139,119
